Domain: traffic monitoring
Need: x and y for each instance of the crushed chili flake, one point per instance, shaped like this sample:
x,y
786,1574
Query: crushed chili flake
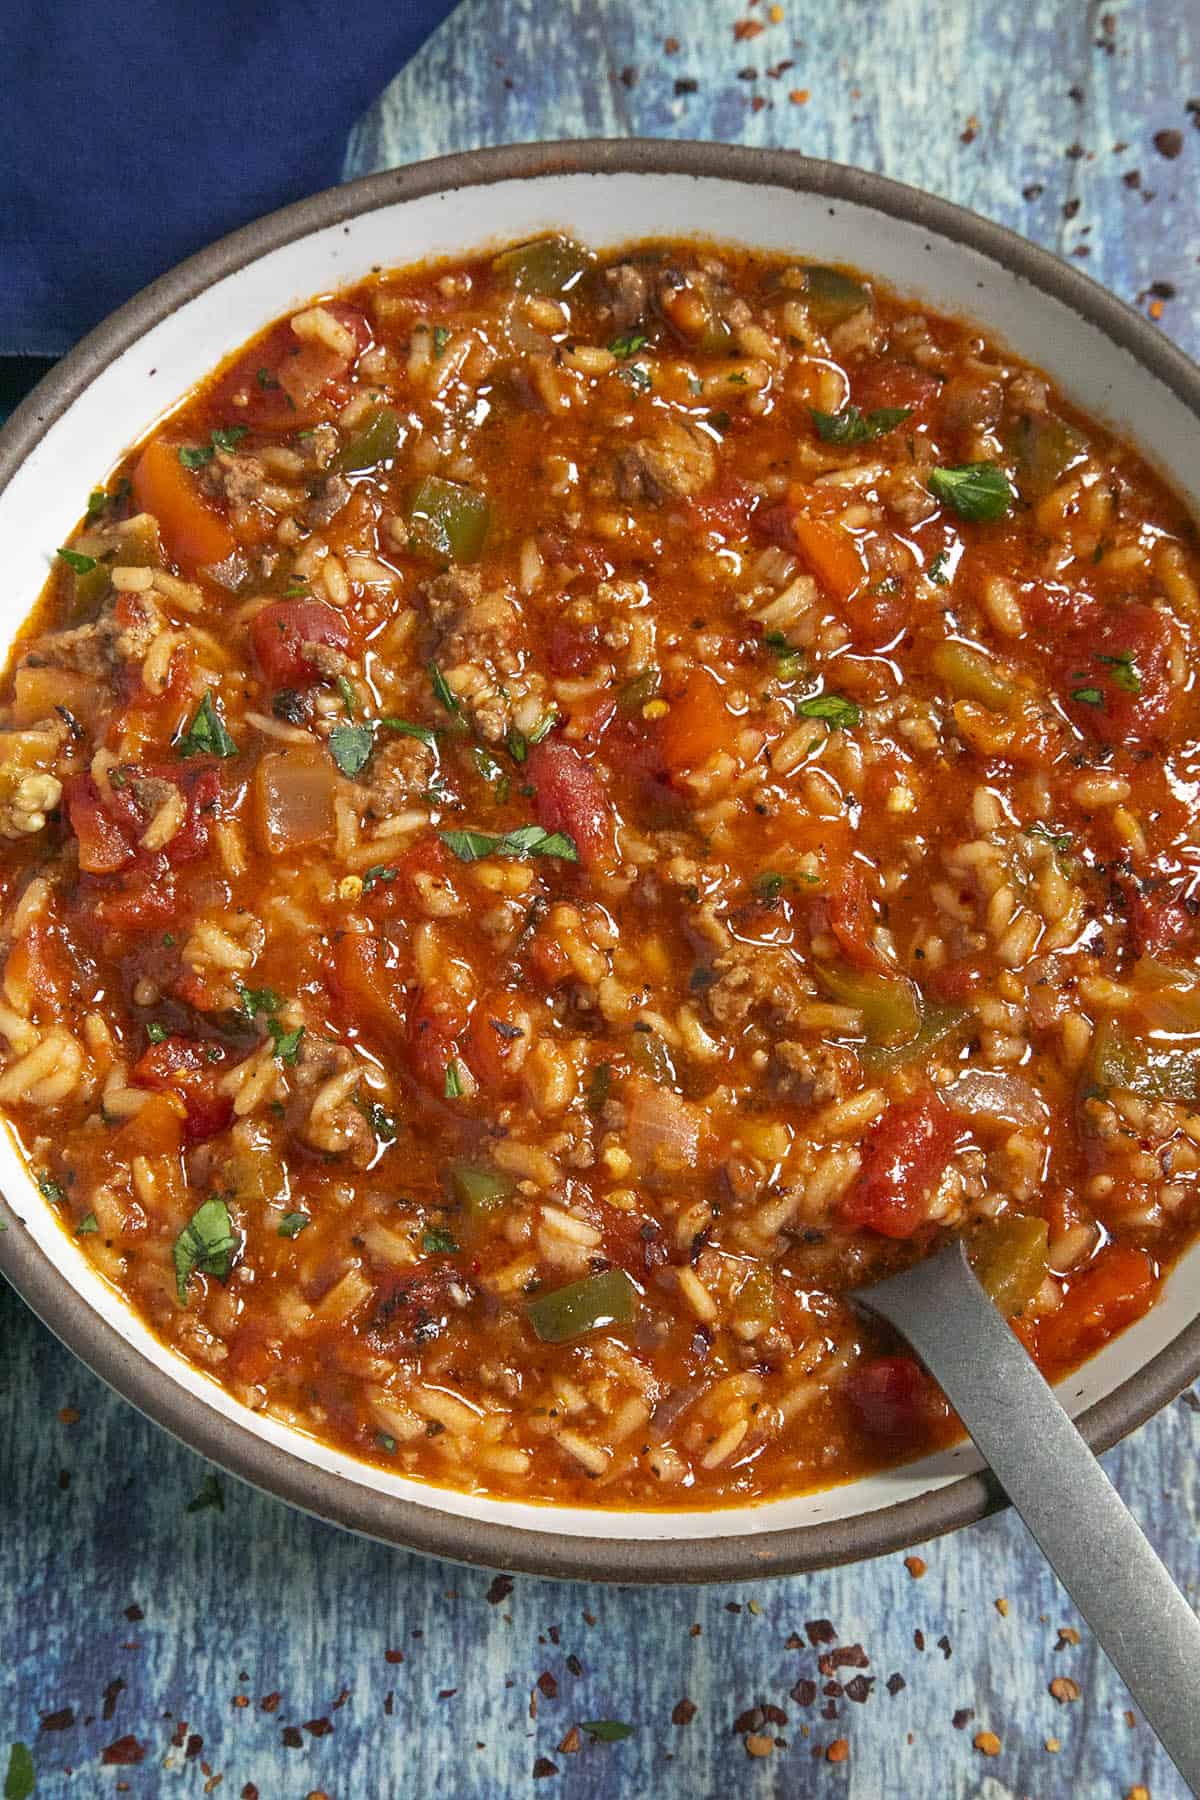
x,y
1168,143
683,1712
963,1717
1067,1634
1001,1606
987,1743
543,1767
134,1613
112,1694
819,1631
292,1737
1053,1745
1034,191
318,1728
574,1665
249,1792
858,1688
895,1683
919,1638
1064,1690
447,1693
747,28
799,96
68,1415
1138,1793
758,1745
686,84
241,1700
944,1647
341,1700
571,1743
838,1751
193,1747
501,1588
548,1684
671,46
123,1752
393,1656
62,1720
269,1702
804,1692
1130,1717
757,102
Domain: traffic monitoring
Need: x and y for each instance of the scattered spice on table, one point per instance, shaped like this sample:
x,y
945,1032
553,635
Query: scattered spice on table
x,y
987,1743
916,1566
1064,1690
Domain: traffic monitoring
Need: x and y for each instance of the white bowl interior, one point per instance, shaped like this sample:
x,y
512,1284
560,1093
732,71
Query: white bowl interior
x,y
43,501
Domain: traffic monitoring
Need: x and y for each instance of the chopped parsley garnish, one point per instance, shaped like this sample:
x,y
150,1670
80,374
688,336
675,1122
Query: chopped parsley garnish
x,y
206,735
769,885
205,1245
87,1225
629,344
76,560
351,746
258,1000
20,1780
265,379
377,872
423,733
211,1495
99,500
1061,840
225,437
156,1032
839,714
50,1190
518,743
525,840
441,337
386,1442
290,706
1123,671
937,569
349,697
439,1242
381,1121
295,590
791,660
853,427
1088,696
978,492
606,1731
292,1224
637,375
287,1043
491,771
454,1087
738,378
444,695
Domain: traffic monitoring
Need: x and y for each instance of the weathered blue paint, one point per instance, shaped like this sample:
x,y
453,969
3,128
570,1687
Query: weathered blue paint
x,y
256,1600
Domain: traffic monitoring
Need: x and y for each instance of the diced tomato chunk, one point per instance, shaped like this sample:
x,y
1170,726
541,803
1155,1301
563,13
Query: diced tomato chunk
x,y
697,723
1158,922
435,1023
573,649
894,1400
728,511
893,384
193,1070
104,846
570,798
365,992
1112,672
1117,1288
904,1158
200,784
398,889
281,632
851,918
497,1041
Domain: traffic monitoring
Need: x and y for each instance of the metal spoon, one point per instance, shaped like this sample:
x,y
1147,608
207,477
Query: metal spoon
x,y
1092,1543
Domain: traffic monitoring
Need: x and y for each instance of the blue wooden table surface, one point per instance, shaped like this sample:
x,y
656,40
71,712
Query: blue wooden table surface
x,y
166,1631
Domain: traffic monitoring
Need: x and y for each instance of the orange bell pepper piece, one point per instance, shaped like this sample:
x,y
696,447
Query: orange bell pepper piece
x,y
697,722
194,532
831,554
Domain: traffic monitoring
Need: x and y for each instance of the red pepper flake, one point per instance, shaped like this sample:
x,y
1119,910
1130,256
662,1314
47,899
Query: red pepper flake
x,y
393,1656
341,1700
590,1618
987,1743
112,1694
829,1710
747,28
179,1735
695,1630
858,1688
895,1683
757,102
68,1415
501,1588
1064,1690
969,132
62,1720
269,1702
1168,143
193,1747
671,46
819,1631
944,1647
838,1751
548,1684
572,1742
628,76
123,1753
292,1737
134,1613
543,1767
846,1656
799,96
240,1700
318,1728
554,1634
805,1692
574,1665
1067,1634
683,1712
919,1638
447,1693
963,1717
249,1792
389,1702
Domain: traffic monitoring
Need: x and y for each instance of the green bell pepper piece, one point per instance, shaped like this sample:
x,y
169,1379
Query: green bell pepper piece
x,y
755,1299
376,441
479,1190
649,1053
1009,1257
639,689
832,296
606,1299
1042,448
971,674
447,520
1120,1061
889,1004
937,1024
549,265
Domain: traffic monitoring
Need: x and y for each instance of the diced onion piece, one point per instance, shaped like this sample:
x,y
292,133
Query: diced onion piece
x,y
294,790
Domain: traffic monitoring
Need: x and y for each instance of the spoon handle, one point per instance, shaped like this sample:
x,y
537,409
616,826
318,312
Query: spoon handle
x,y
1090,1540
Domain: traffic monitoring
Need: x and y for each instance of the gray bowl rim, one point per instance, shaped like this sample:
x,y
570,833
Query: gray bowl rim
x,y
435,1529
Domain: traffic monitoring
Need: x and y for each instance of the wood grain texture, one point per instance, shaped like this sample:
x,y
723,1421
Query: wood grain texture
x,y
256,1600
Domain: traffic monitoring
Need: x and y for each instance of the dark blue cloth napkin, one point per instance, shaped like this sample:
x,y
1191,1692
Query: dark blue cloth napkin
x,y
134,132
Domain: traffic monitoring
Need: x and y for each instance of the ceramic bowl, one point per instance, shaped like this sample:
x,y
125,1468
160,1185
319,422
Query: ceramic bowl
x,y
136,366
